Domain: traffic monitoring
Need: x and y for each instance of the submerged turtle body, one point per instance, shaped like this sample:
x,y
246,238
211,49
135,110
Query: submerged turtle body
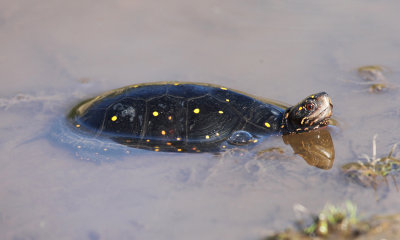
x,y
192,116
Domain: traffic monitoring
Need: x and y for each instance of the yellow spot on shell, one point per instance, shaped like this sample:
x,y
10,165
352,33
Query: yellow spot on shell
x,y
105,149
224,88
178,138
287,115
220,112
155,113
312,96
156,149
176,84
78,146
255,140
163,132
267,125
169,144
207,137
77,125
227,100
179,150
217,134
223,146
114,118
148,140
196,110
170,118
135,86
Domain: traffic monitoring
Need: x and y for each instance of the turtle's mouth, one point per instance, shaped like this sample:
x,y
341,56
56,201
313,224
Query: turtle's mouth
x,y
323,112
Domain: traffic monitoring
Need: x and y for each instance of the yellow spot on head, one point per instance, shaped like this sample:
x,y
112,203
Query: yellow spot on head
x,y
267,125
220,112
196,110
148,140
255,140
312,96
179,150
223,146
155,113
227,100
135,86
224,88
207,137
114,118
217,134
178,138
169,117
282,126
300,108
163,132
77,125
176,84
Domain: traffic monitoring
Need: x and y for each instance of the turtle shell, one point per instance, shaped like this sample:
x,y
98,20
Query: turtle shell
x,y
172,116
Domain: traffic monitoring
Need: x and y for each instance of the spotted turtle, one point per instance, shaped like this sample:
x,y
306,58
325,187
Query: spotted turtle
x,y
192,117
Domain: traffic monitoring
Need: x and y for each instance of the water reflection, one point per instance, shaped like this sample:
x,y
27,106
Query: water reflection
x,y
315,147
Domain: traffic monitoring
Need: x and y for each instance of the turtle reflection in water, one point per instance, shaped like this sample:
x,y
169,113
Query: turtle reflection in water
x,y
193,117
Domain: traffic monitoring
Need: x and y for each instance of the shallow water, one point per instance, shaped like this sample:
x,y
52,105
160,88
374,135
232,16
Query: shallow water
x,y
57,53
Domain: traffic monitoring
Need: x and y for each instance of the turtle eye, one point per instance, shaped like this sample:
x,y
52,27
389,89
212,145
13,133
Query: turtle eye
x,y
310,106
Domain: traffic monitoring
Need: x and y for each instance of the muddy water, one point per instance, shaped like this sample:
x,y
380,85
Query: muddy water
x,y
58,53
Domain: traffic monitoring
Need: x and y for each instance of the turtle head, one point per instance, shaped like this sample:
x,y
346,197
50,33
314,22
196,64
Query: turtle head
x,y
311,113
